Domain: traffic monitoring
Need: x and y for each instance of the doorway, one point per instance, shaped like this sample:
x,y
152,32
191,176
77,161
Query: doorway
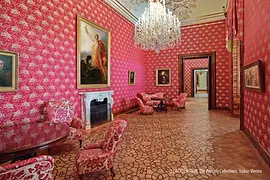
x,y
211,56
200,82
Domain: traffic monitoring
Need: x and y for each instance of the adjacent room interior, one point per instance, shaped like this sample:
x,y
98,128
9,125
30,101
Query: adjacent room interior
x,y
134,89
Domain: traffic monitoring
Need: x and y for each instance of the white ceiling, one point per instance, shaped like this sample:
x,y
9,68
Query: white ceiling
x,y
204,10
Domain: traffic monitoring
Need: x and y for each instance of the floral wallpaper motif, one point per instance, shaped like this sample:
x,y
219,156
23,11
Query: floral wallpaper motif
x,y
234,23
189,65
44,35
206,37
256,47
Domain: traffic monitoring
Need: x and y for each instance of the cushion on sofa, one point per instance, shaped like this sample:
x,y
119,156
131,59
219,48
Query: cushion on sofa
x,y
146,97
59,112
158,95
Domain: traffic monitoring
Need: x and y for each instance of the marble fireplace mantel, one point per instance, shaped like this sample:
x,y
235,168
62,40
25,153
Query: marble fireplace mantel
x,y
99,96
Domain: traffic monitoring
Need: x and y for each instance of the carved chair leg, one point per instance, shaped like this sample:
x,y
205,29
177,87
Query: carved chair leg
x,y
80,143
113,172
81,176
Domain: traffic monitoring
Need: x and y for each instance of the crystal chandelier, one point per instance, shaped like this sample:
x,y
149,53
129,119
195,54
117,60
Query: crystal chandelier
x,y
157,29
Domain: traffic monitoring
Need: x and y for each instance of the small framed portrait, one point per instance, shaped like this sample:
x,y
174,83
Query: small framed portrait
x,y
93,55
163,77
254,76
8,71
131,77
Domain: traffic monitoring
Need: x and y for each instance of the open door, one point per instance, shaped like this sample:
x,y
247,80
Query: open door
x,y
211,74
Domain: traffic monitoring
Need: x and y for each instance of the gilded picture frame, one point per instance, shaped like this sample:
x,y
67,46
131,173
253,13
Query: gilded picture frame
x,y
93,55
254,76
163,77
131,77
8,71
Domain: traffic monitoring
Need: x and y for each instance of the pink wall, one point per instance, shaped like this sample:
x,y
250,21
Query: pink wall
x,y
256,46
189,65
44,35
195,39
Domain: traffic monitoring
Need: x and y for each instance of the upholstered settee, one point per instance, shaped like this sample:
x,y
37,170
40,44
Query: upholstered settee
x,y
148,98
144,109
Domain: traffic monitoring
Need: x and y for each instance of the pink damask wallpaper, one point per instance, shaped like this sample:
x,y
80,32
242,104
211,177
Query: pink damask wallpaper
x,y
189,65
195,39
234,24
256,47
44,35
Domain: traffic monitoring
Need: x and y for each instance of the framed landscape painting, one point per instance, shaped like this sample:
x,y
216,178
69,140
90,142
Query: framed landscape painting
x,y
163,77
254,79
131,77
93,55
8,71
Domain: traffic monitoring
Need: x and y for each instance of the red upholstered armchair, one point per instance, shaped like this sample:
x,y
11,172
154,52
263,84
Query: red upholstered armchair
x,y
39,167
100,156
180,101
62,112
144,109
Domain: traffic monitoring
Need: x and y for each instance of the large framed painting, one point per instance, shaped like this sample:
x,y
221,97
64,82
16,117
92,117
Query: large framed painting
x,y
254,79
8,71
93,55
163,77
131,77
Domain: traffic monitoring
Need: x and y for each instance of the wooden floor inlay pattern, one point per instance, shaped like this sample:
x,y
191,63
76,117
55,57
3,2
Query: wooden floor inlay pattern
x,y
191,144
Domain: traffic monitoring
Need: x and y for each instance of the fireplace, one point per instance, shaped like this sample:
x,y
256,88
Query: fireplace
x,y
99,112
96,107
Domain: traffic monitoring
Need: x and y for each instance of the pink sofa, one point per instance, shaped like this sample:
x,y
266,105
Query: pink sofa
x,y
147,98
144,109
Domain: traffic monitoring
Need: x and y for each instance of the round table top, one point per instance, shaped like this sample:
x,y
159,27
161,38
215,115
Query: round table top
x,y
28,136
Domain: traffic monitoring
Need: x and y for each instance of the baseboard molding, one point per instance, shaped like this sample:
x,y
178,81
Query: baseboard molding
x,y
129,110
257,146
222,108
235,115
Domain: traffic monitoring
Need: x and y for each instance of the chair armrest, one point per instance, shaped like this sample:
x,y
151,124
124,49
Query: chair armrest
x,y
77,123
93,146
94,156
175,99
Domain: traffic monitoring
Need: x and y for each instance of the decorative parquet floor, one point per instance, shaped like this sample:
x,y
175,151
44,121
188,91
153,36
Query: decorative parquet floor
x,y
191,144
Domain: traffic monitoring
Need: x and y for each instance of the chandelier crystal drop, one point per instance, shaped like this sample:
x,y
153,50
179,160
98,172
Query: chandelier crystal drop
x,y
157,29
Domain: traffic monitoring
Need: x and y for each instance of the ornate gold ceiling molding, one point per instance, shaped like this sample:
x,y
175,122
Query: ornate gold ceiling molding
x,y
190,21
122,10
203,19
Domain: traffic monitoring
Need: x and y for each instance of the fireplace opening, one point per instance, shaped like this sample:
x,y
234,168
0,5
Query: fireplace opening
x,y
99,112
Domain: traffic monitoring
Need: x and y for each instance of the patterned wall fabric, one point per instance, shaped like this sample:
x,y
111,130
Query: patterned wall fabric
x,y
256,39
44,35
189,65
235,22
239,21
195,39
